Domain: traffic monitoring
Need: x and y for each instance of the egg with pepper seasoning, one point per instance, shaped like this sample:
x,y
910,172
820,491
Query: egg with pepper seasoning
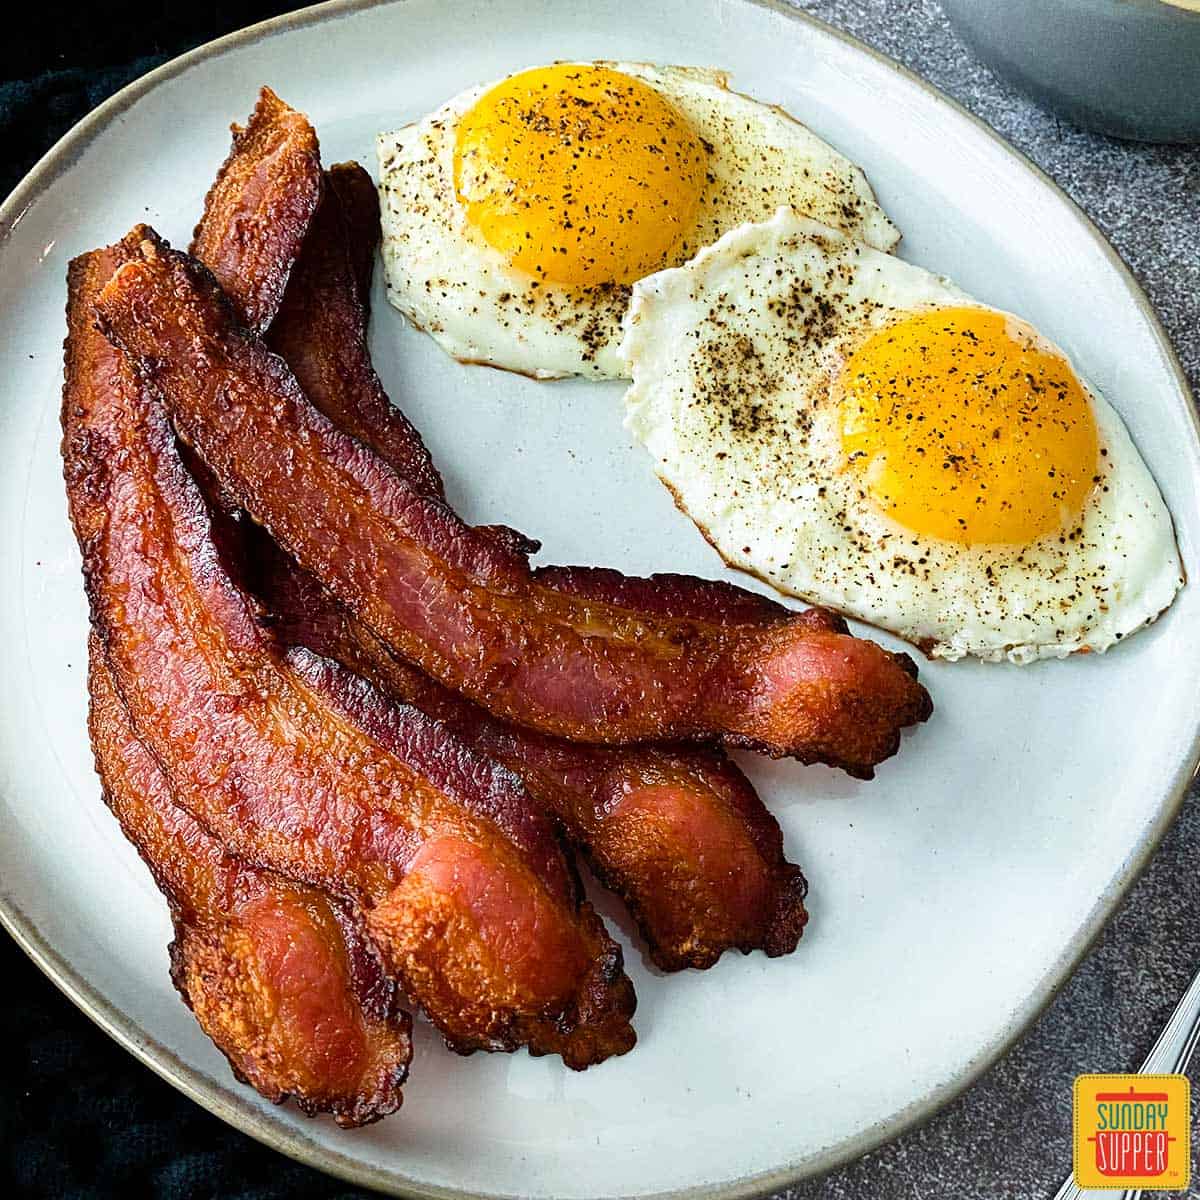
x,y
859,432
518,215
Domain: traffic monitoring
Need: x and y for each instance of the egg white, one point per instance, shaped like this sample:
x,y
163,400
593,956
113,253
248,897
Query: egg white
x,y
733,358
446,279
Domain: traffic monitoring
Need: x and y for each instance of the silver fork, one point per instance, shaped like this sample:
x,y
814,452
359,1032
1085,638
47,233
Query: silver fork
x,y
1170,1056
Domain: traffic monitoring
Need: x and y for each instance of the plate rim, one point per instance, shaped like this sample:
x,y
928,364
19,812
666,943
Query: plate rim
x,y
244,1115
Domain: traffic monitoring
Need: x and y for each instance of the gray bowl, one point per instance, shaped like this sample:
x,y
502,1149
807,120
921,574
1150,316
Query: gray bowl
x,y
1129,68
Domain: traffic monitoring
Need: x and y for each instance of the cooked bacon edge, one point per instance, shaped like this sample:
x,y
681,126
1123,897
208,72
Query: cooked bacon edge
x,y
359,202
321,331
678,833
299,767
259,208
283,979
463,605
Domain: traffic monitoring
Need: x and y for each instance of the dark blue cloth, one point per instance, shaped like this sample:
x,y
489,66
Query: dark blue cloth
x,y
80,1119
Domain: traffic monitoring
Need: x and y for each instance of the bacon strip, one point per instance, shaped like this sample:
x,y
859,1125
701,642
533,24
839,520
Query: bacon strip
x,y
257,212
679,834
359,202
321,331
283,980
300,767
463,605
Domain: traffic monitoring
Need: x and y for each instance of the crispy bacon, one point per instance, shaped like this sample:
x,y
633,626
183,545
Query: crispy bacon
x,y
257,212
464,605
302,768
359,202
321,331
678,833
282,979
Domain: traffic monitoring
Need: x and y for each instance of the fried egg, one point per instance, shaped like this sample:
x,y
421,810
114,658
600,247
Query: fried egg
x,y
518,215
860,433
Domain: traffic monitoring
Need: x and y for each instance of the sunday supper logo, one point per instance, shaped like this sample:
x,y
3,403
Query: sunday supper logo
x,y
1133,1131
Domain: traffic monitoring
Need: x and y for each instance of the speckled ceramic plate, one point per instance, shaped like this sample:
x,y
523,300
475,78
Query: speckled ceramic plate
x,y
949,898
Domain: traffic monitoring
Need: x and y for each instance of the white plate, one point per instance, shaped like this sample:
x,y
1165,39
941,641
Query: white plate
x,y
949,898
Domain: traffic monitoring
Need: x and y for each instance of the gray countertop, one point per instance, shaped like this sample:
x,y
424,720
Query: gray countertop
x,y
1010,1134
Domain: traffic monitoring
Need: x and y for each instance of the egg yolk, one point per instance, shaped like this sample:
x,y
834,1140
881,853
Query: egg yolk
x,y
578,174
966,426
